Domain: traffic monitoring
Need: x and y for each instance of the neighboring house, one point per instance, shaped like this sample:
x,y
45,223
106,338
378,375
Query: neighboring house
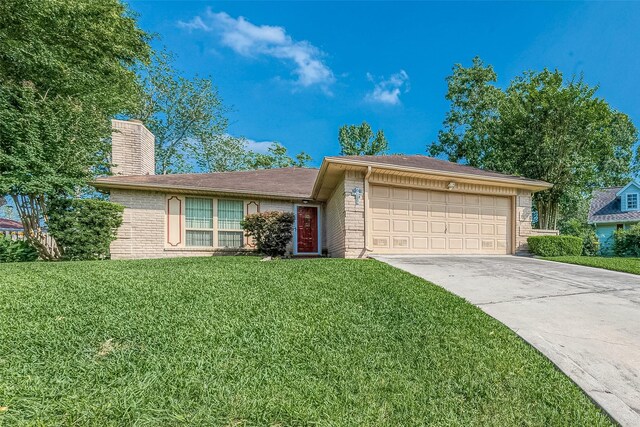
x,y
351,207
614,208
11,229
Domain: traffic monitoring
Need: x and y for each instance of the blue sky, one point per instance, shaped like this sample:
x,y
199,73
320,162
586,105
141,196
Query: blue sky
x,y
294,72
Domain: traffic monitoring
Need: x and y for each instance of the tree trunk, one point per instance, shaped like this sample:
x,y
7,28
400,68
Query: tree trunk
x,y
33,211
547,214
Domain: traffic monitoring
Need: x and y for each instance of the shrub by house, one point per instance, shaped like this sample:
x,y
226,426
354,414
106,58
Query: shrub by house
x,y
84,228
550,246
272,231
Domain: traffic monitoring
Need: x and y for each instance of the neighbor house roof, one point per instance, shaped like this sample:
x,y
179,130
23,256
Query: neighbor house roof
x,y
9,224
605,207
285,182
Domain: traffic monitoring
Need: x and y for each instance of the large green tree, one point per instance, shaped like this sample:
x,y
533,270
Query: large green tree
x,y
542,127
189,121
360,140
187,118
65,69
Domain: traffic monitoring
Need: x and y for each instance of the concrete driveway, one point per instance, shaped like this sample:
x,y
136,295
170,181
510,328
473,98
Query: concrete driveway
x,y
585,320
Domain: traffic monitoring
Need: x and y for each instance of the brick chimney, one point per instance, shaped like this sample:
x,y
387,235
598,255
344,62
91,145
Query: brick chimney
x,y
132,148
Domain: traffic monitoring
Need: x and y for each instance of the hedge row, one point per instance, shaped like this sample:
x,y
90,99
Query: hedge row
x,y
550,246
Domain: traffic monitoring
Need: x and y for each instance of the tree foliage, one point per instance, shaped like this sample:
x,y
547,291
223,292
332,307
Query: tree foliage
x,y
360,140
276,157
542,127
187,118
84,228
65,69
189,121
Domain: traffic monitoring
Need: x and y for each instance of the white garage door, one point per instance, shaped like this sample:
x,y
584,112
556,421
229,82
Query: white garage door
x,y
403,220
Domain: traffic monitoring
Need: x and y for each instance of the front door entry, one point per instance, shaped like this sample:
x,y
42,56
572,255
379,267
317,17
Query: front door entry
x,y
307,229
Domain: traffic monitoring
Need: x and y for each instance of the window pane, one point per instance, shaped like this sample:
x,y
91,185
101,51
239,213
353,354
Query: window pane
x,y
230,239
632,201
199,238
230,213
199,213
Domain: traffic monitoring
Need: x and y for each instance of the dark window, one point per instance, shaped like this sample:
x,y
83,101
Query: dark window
x,y
619,226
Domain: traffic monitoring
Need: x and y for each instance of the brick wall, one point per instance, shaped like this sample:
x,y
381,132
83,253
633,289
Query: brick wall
x,y
334,222
132,148
142,234
354,216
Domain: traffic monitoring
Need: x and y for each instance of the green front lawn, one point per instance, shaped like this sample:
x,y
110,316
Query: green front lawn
x,y
237,341
627,265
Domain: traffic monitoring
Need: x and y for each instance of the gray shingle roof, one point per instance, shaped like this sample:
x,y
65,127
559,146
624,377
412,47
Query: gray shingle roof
x,y
285,182
605,207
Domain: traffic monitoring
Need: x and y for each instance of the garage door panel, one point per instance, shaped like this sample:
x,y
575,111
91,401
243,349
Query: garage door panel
x,y
455,244
438,243
420,226
420,243
380,207
471,212
472,228
455,211
419,209
380,225
420,195
400,193
437,197
400,208
380,192
455,228
437,211
380,242
438,227
400,226
438,222
472,244
471,200
400,242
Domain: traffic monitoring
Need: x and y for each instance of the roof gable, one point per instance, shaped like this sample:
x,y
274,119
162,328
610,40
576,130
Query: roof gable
x,y
632,184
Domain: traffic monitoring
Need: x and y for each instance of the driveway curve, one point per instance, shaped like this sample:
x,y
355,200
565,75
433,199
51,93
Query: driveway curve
x,y
585,320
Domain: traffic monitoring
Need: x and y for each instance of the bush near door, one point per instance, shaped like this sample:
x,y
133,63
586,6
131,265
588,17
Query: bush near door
x,y
549,246
272,231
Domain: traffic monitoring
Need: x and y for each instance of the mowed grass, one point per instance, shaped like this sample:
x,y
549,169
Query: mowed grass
x,y
237,341
627,265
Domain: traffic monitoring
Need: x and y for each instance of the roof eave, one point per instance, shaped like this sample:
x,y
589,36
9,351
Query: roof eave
x,y
533,185
190,189
613,221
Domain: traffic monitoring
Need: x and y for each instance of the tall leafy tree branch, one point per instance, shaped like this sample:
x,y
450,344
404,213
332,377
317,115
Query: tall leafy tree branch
x,y
360,140
66,68
543,127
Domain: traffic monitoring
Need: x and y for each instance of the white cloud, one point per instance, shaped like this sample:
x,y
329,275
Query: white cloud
x,y
388,91
261,147
251,40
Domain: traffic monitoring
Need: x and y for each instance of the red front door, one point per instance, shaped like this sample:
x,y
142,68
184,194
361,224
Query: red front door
x,y
307,229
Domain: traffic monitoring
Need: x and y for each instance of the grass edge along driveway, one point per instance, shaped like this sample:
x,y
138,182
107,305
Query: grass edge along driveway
x,y
625,265
236,341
